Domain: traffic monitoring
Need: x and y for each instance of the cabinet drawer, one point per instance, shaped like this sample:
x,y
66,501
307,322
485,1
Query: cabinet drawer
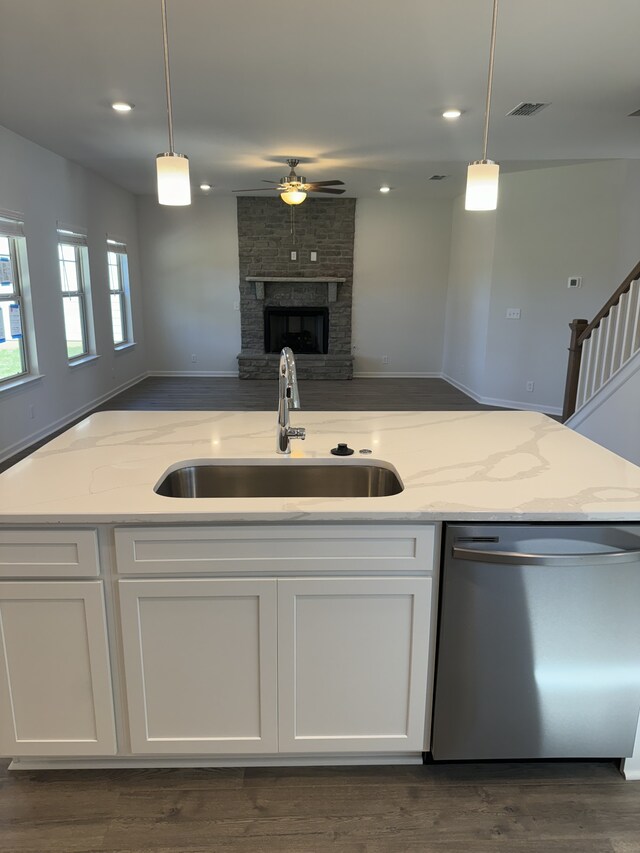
x,y
49,553
276,550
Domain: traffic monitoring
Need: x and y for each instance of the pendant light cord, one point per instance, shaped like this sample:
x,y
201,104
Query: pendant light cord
x,y
492,51
167,74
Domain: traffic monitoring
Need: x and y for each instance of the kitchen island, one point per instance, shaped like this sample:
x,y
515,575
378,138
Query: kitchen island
x,y
140,629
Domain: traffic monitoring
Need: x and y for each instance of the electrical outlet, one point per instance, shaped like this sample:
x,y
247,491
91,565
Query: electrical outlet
x,y
530,385
385,359
236,306
314,256
294,255
513,313
194,358
32,412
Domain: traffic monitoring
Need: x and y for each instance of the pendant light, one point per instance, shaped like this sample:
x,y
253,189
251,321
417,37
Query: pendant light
x,y
172,169
482,175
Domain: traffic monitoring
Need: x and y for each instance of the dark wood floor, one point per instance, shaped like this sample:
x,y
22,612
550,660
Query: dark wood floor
x,y
456,808
204,393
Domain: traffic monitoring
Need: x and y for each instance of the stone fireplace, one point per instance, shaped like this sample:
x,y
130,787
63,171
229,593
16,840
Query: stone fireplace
x,y
296,302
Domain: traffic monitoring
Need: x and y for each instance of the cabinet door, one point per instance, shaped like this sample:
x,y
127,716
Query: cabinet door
x,y
55,681
353,656
200,664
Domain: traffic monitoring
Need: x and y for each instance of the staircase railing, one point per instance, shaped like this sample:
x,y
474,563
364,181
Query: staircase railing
x,y
602,347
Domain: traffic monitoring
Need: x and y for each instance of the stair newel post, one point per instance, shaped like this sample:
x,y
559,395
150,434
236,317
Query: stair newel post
x,y
573,368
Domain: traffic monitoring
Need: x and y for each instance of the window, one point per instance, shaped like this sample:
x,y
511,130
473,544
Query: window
x,y
119,293
14,356
74,280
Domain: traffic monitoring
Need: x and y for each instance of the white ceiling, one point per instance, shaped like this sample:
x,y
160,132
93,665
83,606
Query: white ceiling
x,y
354,88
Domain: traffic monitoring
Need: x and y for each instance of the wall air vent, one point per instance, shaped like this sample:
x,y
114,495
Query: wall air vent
x,y
635,114
526,109
438,177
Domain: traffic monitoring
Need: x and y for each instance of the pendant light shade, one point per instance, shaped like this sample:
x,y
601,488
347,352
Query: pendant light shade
x,y
293,196
174,187
482,186
482,175
172,169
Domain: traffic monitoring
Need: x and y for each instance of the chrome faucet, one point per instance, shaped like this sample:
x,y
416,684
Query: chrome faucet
x,y
288,398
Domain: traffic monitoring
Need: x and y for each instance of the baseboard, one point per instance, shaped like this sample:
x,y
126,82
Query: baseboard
x,y
301,760
503,404
372,374
219,373
18,446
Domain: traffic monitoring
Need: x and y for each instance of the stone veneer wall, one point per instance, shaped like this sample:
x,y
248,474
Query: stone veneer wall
x,y
326,226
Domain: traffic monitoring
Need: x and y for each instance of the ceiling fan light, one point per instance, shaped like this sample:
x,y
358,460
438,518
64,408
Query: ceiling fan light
x,y
482,185
174,187
293,196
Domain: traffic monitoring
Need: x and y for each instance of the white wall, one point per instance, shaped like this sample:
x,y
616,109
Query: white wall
x,y
469,297
550,224
189,259
401,256
46,188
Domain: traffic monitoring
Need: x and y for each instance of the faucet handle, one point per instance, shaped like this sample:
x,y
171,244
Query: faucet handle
x,y
297,432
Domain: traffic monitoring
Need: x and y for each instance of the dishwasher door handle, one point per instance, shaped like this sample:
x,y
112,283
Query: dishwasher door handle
x,y
514,558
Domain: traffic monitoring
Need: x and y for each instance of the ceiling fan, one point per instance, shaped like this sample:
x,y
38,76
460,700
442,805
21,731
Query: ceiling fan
x,y
293,188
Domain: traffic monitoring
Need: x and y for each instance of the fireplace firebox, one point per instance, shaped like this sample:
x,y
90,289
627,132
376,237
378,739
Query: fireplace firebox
x,y
305,330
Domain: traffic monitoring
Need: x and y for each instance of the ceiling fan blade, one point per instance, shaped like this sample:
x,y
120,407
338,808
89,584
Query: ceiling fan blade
x,y
326,190
255,190
265,181
326,183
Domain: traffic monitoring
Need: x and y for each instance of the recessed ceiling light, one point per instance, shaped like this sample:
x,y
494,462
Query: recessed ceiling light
x,y
385,189
452,114
122,107
205,187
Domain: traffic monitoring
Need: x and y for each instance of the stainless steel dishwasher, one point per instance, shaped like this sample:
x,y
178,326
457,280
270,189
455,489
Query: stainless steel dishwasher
x,y
539,642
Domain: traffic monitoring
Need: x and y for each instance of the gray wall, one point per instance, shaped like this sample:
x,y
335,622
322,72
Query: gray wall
x,y
400,285
46,188
189,260
550,224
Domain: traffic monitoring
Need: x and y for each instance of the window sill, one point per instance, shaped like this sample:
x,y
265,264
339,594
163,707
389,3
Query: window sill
x,y
125,347
86,359
19,381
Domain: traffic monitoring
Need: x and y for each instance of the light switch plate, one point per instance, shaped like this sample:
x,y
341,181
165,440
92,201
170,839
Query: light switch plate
x,y
294,256
513,313
314,256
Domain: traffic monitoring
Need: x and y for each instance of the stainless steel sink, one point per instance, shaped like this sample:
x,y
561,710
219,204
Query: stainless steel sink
x,y
289,480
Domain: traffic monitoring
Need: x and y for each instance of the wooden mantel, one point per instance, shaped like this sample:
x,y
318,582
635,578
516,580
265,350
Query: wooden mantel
x,y
332,283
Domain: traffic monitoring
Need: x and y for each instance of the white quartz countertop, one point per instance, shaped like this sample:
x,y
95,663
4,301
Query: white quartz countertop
x,y
483,466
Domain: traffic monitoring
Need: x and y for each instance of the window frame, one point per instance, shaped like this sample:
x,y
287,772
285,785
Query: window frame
x,y
78,243
16,298
118,248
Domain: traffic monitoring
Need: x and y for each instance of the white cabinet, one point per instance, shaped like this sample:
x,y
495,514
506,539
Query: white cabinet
x,y
223,666
353,659
201,665
55,681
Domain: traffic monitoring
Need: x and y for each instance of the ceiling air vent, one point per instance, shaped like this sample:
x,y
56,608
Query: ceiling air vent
x,y
526,109
438,177
636,114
